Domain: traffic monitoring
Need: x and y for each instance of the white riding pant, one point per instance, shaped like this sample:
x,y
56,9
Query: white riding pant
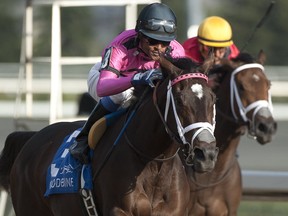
x,y
120,100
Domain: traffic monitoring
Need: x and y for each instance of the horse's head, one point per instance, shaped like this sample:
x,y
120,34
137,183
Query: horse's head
x,y
190,104
250,100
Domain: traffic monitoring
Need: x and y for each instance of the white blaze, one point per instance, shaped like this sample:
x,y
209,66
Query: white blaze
x,y
198,90
256,77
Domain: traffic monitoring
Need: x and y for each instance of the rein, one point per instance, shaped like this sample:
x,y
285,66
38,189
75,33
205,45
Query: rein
x,y
138,103
148,157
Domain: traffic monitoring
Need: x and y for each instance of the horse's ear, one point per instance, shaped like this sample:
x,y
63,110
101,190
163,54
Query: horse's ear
x,y
261,57
169,66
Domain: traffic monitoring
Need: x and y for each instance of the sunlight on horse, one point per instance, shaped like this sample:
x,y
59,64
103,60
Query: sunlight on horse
x,y
141,175
243,102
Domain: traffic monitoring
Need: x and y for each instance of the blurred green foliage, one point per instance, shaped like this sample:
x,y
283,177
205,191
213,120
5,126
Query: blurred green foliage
x,y
10,32
244,15
263,208
87,30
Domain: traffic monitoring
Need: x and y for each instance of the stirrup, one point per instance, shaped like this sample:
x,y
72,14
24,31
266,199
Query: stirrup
x,y
88,202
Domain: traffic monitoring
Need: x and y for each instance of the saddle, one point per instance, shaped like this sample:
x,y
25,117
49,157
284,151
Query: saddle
x,y
99,127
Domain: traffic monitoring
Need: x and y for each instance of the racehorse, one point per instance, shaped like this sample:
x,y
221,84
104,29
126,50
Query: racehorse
x,y
243,103
140,175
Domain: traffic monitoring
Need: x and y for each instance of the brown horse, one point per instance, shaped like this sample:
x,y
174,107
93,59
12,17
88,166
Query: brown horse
x,y
142,174
243,102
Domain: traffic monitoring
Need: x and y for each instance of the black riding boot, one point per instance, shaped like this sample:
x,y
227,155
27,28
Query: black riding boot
x,y
79,149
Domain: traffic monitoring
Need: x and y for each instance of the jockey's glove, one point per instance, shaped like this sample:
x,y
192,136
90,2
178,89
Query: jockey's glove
x,y
147,78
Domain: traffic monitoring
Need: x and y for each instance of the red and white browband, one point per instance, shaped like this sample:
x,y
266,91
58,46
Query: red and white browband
x,y
187,76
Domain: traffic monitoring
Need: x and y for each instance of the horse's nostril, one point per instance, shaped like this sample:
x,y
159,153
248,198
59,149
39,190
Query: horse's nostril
x,y
267,128
199,154
262,127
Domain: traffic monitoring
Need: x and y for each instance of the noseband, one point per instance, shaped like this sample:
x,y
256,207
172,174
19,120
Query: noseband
x,y
256,105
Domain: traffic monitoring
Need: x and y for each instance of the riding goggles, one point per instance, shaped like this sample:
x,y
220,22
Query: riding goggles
x,y
155,25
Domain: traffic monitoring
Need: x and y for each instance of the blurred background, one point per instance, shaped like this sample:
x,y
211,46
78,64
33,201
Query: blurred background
x,y
85,31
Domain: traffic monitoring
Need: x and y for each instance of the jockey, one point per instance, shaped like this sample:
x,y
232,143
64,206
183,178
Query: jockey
x,y
214,38
128,61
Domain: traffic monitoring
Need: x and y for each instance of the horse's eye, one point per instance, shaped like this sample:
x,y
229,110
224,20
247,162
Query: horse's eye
x,y
241,87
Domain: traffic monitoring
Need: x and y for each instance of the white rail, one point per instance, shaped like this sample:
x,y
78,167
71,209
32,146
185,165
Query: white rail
x,y
259,180
56,54
10,85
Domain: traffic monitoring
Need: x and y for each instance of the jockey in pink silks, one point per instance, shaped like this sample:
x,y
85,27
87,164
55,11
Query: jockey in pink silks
x,y
128,61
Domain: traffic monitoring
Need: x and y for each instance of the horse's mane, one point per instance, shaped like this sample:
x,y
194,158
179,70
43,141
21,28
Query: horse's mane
x,y
182,65
227,66
185,64
244,57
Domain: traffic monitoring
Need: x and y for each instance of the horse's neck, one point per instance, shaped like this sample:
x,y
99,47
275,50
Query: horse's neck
x,y
228,134
147,131
228,130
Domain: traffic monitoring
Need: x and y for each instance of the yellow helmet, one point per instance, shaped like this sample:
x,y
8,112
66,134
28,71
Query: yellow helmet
x,y
215,31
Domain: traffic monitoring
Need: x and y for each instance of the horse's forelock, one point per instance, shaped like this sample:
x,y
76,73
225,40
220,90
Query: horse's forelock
x,y
183,65
169,68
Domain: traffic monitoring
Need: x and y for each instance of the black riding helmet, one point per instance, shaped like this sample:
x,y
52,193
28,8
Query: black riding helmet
x,y
157,21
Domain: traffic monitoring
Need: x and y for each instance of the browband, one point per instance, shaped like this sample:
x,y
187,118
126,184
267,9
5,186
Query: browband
x,y
187,76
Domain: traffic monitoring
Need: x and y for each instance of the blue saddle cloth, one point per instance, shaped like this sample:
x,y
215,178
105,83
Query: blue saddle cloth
x,y
66,174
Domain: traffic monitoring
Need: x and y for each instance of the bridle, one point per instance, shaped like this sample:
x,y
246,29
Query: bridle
x,y
180,137
256,105
198,126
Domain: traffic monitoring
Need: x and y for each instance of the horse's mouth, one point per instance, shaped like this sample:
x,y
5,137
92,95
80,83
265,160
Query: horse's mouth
x,y
264,130
201,167
205,159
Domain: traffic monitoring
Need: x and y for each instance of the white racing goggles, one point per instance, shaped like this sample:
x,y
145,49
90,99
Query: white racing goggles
x,y
155,25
